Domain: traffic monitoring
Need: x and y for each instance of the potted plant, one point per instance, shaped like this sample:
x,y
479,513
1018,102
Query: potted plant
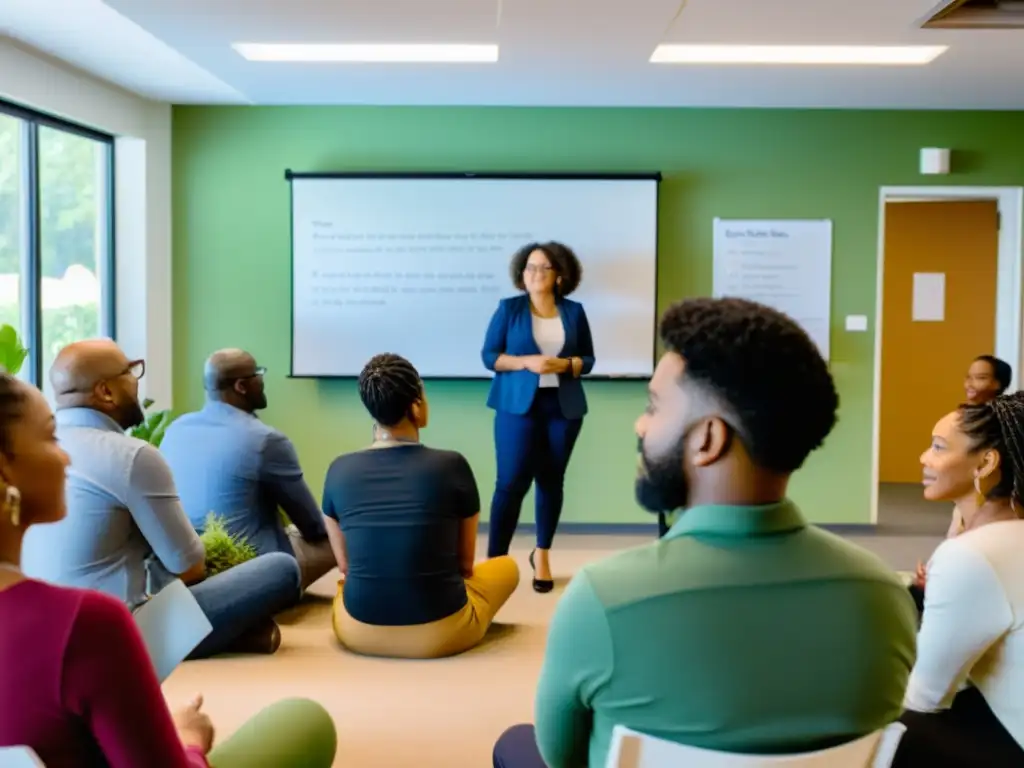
x,y
223,551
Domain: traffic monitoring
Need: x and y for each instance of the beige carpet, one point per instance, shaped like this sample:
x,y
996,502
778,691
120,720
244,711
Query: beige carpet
x,y
392,713
422,714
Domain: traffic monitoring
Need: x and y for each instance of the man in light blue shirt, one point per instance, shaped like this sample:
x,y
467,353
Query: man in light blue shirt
x,y
227,462
125,533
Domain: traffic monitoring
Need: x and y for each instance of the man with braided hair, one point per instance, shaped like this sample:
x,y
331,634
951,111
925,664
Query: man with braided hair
x,y
965,699
402,520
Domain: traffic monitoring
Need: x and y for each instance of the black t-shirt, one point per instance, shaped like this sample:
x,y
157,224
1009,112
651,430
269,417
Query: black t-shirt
x,y
400,509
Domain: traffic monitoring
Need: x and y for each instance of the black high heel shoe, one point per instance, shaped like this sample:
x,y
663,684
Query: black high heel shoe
x,y
540,585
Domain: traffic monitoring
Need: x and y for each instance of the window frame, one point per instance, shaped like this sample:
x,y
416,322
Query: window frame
x,y
31,309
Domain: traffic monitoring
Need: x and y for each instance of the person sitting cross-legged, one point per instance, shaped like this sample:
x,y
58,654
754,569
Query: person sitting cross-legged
x,y
402,519
743,629
227,462
125,533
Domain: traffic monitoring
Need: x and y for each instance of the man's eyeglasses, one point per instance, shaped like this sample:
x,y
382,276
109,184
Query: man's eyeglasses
x,y
136,368
257,372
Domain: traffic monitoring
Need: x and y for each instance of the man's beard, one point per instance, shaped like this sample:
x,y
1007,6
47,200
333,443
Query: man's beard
x,y
258,402
131,414
661,483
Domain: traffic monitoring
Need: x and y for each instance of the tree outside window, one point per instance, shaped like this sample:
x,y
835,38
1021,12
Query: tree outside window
x,y
74,237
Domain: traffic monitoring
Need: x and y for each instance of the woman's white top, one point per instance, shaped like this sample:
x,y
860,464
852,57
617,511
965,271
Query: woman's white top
x,y
549,333
973,624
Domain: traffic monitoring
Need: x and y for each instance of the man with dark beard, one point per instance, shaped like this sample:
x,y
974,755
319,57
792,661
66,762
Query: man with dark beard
x,y
125,530
226,461
643,488
743,629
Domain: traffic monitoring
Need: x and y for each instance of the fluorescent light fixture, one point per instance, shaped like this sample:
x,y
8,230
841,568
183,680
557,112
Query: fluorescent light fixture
x,y
905,55
403,53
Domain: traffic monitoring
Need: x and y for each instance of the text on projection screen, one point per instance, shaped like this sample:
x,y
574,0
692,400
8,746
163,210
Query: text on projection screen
x,y
417,267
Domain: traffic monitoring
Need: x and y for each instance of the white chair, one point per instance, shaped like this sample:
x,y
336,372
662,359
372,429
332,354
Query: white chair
x,y
19,757
630,749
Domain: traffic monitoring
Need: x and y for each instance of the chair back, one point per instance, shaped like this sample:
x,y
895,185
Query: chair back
x,y
19,757
630,749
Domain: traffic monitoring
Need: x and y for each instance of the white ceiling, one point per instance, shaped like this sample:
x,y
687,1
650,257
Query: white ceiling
x,y
553,52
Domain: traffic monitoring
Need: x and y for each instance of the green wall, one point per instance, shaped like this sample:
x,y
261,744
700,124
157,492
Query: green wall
x,y
231,248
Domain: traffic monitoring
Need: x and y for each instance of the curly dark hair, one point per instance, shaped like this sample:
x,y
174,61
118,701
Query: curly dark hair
x,y
999,426
388,386
763,369
1002,371
567,265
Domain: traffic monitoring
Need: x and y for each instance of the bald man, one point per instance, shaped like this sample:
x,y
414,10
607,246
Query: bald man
x,y
226,461
126,533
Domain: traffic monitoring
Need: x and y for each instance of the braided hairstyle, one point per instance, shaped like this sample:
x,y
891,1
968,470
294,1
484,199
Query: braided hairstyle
x,y
388,386
999,426
12,400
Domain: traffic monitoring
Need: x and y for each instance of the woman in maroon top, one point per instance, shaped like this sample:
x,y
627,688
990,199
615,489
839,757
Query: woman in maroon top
x,y
78,685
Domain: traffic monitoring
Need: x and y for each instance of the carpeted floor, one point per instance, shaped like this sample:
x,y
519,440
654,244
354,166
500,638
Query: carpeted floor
x,y
425,714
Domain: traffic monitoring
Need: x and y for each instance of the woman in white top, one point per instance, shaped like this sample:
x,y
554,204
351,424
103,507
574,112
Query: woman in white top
x,y
987,378
965,698
538,344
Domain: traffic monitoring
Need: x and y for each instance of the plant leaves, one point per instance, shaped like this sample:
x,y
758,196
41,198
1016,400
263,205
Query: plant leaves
x,y
155,425
12,351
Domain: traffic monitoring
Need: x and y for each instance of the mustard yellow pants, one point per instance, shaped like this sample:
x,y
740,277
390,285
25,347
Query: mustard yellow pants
x,y
491,585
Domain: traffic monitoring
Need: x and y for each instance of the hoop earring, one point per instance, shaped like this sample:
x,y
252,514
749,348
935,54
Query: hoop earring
x,y
977,489
12,503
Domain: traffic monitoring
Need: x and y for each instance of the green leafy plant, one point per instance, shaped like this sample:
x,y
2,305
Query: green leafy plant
x,y
12,351
223,551
154,426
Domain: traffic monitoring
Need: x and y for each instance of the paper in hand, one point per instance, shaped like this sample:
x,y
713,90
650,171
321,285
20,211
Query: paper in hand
x,y
172,625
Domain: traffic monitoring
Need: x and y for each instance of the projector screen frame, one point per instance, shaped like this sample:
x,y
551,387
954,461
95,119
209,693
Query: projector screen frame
x,y
291,176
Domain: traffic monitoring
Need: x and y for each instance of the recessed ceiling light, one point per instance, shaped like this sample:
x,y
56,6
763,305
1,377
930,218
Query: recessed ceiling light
x,y
368,52
906,55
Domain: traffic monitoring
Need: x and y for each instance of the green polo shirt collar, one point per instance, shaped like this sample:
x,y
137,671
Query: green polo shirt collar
x,y
739,521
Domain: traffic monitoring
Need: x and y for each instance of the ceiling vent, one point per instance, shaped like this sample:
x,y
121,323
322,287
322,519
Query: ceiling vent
x,y
978,14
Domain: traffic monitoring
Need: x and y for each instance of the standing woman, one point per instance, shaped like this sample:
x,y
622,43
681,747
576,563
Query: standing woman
x,y
538,344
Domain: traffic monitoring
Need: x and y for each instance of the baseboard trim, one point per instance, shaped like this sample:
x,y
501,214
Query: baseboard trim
x,y
591,529
651,529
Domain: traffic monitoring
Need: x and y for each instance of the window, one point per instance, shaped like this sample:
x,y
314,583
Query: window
x,y
12,215
73,239
56,235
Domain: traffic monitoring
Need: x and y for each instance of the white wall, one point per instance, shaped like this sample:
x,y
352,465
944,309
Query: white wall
x,y
142,157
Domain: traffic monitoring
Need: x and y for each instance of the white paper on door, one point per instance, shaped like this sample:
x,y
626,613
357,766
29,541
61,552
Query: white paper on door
x,y
929,302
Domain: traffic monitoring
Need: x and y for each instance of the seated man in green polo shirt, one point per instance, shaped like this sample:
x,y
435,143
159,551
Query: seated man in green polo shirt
x,y
743,629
